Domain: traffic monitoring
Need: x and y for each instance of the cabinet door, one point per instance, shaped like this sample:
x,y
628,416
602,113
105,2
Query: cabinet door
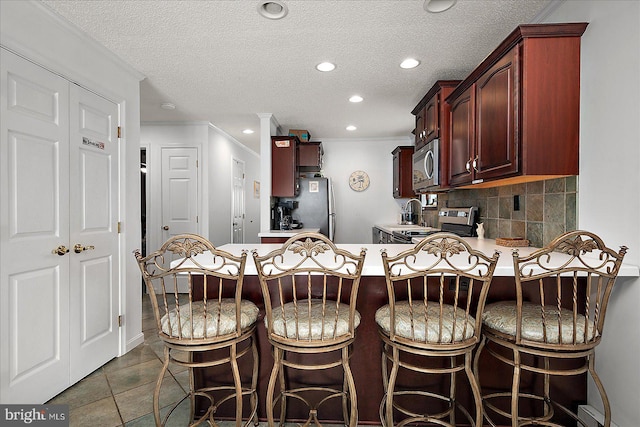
x,y
462,139
403,172
284,166
420,129
396,174
310,156
496,120
431,119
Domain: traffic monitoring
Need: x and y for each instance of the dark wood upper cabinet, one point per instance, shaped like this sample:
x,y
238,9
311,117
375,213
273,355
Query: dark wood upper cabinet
x,y
310,156
516,116
432,121
284,166
402,172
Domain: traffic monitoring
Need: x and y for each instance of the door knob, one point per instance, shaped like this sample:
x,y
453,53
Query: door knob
x,y
166,227
78,248
60,250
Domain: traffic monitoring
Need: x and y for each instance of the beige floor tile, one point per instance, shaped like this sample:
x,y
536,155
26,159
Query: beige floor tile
x,y
91,389
134,376
138,401
140,354
103,413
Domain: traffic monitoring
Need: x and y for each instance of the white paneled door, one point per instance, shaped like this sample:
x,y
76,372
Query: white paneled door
x,y
238,206
94,231
58,308
179,191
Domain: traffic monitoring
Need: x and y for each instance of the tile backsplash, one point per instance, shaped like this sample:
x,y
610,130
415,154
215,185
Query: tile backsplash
x,y
546,209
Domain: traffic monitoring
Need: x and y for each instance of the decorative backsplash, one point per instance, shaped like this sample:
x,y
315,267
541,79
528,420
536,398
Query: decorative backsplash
x,y
546,209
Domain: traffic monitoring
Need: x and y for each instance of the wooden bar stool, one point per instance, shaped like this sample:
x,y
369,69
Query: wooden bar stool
x,y
310,289
437,290
551,329
203,322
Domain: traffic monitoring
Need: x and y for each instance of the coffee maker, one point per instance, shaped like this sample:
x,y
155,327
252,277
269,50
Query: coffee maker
x,y
281,214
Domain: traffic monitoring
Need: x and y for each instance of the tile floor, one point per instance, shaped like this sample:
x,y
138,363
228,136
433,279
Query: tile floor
x,y
120,393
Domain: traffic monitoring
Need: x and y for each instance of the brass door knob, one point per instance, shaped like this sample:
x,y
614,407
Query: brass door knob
x,y
60,250
78,248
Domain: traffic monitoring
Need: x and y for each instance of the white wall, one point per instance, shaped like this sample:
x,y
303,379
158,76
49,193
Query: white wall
x,y
609,182
31,30
357,212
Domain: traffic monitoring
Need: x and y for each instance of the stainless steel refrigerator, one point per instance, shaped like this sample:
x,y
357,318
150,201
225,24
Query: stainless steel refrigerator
x,y
316,206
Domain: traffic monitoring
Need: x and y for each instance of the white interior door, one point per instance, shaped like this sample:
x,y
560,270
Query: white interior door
x,y
94,231
238,205
179,191
34,203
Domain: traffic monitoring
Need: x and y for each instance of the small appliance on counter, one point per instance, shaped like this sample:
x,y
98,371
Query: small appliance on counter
x,y
281,218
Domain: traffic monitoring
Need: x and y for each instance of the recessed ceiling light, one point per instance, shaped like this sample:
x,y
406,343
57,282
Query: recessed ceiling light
x,y
437,6
272,9
326,66
248,131
351,128
356,98
409,63
168,106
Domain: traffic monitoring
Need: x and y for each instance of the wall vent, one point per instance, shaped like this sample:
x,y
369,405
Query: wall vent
x,y
591,417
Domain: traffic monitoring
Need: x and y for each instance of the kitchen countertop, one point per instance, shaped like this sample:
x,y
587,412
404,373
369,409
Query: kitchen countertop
x,y
373,261
390,228
287,233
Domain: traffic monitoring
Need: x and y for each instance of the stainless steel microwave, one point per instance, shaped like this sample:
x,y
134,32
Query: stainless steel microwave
x,y
426,162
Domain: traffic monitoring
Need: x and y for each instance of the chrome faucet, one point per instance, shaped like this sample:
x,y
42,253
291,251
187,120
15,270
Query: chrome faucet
x,y
405,211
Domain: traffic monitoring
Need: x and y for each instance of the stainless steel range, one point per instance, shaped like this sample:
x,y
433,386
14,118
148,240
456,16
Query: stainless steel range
x,y
460,221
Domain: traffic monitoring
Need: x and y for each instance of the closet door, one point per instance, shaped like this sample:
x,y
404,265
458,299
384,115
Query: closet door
x,y
93,189
34,203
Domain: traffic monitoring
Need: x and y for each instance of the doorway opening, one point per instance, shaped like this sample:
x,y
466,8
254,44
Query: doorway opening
x,y
143,205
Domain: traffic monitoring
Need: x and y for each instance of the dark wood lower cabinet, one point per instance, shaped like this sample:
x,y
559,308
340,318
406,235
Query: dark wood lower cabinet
x,y
366,366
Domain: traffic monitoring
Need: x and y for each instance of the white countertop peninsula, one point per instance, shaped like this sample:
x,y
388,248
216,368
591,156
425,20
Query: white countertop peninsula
x,y
373,260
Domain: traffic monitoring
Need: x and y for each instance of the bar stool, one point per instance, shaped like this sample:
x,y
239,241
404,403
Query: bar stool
x,y
203,322
310,289
551,329
437,290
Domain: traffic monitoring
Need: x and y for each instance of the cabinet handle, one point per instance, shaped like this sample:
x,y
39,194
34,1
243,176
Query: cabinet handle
x,y
468,166
475,164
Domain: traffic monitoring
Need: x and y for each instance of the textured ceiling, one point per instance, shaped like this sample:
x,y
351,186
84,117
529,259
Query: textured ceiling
x,y
220,61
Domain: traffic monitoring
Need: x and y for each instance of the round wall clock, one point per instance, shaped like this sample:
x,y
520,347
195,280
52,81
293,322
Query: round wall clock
x,y
359,181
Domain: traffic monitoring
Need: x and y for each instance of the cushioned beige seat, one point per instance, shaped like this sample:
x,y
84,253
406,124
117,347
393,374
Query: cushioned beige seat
x,y
551,330
203,322
431,327
310,289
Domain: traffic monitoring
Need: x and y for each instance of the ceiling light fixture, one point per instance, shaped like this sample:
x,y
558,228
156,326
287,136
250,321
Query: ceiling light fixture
x,y
168,106
355,98
409,63
273,9
437,6
326,66
247,131
351,128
